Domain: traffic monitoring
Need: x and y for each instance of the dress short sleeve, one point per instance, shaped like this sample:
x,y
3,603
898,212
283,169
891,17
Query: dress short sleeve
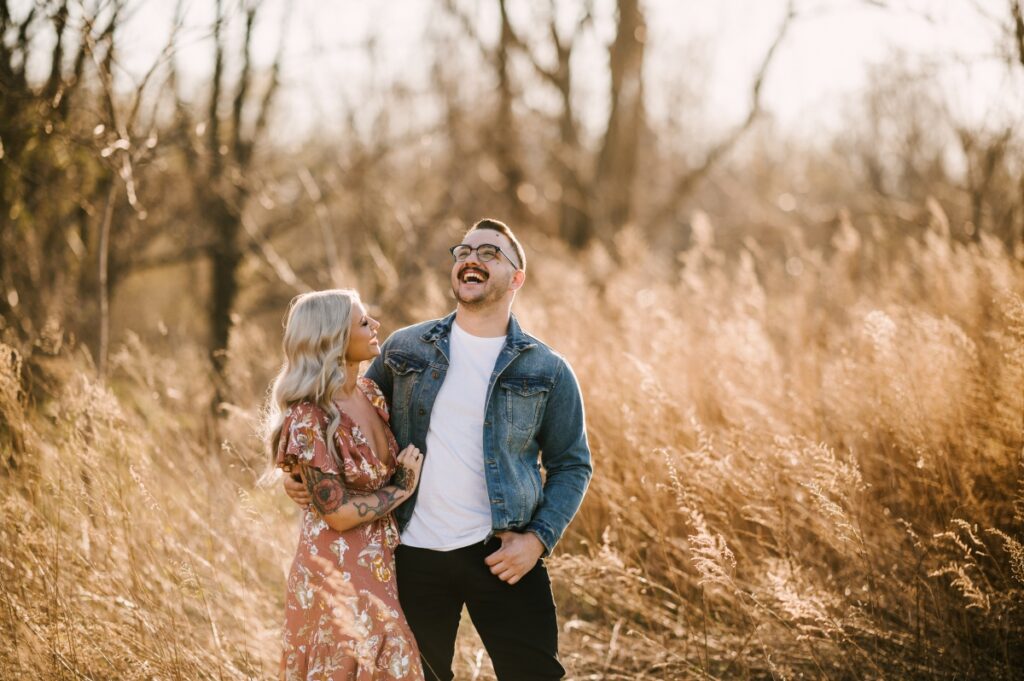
x,y
304,439
376,397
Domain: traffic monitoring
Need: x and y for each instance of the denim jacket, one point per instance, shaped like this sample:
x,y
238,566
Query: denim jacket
x,y
533,406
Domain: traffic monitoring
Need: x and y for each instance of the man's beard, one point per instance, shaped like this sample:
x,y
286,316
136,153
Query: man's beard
x,y
492,295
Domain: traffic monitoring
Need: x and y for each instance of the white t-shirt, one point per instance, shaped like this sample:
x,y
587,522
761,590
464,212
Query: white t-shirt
x,y
452,507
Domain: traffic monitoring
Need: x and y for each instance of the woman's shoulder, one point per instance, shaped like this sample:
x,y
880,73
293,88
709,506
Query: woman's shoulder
x,y
306,411
304,437
369,385
374,394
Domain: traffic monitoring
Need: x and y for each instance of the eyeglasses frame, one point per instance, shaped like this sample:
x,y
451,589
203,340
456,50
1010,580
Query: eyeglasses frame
x,y
477,249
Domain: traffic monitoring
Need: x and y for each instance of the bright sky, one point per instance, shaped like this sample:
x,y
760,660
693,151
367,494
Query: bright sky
x,y
713,47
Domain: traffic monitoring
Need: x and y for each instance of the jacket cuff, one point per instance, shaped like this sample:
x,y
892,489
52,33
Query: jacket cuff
x,y
546,535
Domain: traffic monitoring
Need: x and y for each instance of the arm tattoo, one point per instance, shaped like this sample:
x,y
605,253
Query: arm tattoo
x,y
328,491
404,478
386,500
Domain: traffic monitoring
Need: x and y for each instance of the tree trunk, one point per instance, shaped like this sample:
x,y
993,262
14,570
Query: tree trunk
x,y
225,257
506,143
617,162
574,222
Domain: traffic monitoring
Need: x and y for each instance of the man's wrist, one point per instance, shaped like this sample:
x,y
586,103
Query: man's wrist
x,y
541,531
541,549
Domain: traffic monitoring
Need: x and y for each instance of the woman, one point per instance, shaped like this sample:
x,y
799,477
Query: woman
x,y
330,426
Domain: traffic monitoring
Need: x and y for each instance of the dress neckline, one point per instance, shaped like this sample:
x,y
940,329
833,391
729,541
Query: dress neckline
x,y
366,390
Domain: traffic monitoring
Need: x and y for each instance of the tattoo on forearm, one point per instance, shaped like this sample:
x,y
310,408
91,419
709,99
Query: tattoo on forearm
x,y
327,490
386,500
405,478
330,494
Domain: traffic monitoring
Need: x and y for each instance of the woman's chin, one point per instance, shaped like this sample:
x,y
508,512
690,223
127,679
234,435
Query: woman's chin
x,y
371,352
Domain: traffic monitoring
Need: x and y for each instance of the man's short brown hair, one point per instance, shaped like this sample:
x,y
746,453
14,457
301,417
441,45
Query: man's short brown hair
x,y
506,231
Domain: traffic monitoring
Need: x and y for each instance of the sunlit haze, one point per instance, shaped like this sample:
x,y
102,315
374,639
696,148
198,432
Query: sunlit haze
x,y
711,49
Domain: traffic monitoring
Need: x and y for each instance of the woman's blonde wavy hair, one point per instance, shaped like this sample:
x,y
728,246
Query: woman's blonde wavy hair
x,y
316,333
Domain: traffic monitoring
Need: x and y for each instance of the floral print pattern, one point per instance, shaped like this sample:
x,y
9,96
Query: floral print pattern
x,y
342,618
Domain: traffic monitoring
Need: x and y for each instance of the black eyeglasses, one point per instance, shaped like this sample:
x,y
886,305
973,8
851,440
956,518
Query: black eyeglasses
x,y
486,253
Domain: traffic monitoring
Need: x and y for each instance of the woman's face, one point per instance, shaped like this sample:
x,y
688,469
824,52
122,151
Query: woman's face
x,y
362,336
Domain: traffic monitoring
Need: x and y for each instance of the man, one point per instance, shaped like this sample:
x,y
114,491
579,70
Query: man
x,y
482,399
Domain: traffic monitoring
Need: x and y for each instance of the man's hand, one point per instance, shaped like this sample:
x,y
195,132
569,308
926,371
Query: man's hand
x,y
296,489
519,552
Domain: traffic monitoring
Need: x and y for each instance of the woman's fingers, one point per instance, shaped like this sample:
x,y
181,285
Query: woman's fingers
x,y
412,459
296,491
410,463
410,455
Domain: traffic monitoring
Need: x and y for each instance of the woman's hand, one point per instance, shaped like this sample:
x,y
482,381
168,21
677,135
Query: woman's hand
x,y
297,491
407,473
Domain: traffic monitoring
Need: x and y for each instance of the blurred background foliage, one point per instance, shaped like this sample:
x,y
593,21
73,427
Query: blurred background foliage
x,y
116,176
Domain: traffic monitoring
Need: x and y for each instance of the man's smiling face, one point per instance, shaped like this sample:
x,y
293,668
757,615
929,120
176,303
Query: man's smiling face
x,y
477,283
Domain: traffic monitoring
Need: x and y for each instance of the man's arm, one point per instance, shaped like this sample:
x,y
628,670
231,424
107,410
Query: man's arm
x,y
565,455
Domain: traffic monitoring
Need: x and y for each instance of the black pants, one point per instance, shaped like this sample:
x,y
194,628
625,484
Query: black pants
x,y
516,623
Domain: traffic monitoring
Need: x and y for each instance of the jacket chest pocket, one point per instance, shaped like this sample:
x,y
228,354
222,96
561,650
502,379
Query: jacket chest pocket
x,y
407,372
525,398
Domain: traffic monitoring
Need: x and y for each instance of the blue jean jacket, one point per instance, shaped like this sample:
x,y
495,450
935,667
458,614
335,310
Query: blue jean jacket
x,y
533,407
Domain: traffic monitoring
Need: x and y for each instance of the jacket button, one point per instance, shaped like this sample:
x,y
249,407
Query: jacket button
x,y
435,374
422,411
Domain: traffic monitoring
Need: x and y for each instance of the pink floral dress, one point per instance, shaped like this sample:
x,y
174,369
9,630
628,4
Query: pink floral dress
x,y
342,619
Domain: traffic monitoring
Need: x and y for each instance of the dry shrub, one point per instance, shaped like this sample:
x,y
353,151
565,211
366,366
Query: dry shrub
x,y
134,552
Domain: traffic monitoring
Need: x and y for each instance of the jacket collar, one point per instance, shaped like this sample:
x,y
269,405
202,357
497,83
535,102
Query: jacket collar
x,y
515,339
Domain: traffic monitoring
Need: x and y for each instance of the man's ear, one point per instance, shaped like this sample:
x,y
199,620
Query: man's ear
x,y
518,279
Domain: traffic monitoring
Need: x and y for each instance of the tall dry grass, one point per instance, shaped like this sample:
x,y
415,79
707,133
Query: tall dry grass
x,y
806,467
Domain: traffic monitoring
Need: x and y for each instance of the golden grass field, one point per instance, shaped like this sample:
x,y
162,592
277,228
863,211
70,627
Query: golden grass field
x,y
805,474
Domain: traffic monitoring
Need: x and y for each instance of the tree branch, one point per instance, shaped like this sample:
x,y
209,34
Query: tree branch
x,y
323,218
243,86
213,122
53,83
185,125
470,29
263,117
277,263
687,182
1018,28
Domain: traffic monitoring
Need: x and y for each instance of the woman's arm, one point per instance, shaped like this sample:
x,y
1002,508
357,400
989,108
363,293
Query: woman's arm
x,y
342,510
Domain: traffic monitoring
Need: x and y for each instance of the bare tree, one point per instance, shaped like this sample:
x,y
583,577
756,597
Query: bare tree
x,y
218,154
506,145
568,156
1017,22
51,181
598,182
685,184
615,174
1016,233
